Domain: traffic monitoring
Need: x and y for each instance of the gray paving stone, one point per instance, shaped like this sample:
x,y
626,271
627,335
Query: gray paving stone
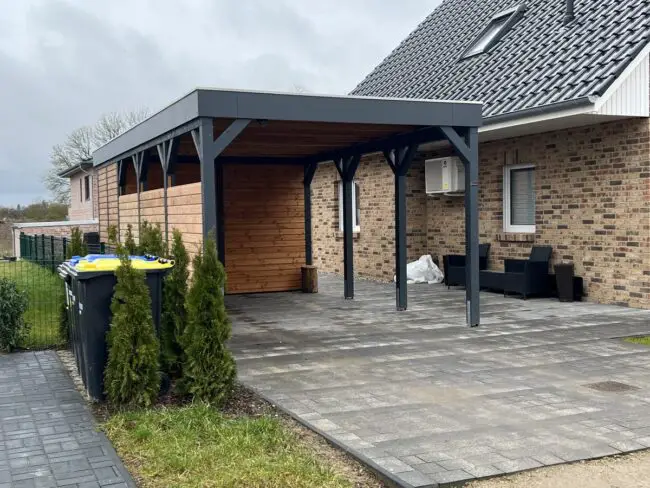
x,y
414,478
50,436
421,386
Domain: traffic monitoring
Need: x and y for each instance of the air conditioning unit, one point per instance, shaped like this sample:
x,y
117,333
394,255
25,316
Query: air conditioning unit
x,y
444,175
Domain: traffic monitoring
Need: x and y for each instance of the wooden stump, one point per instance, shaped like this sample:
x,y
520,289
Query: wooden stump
x,y
309,279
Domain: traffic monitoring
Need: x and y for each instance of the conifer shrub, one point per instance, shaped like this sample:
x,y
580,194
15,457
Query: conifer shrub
x,y
209,369
129,242
151,240
132,375
112,235
173,318
76,245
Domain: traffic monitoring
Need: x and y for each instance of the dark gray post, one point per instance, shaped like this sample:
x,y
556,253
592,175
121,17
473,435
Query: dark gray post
x,y
347,167
208,149
467,150
400,161
310,170
221,234
471,224
137,163
166,154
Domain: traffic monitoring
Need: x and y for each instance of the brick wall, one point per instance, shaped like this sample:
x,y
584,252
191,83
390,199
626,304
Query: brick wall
x,y
593,207
374,245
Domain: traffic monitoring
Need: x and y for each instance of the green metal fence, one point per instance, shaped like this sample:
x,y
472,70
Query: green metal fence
x,y
35,272
45,293
42,249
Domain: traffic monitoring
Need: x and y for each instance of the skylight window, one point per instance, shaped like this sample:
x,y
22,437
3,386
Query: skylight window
x,y
495,30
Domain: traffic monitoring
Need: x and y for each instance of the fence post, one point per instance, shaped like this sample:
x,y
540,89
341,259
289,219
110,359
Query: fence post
x,y
43,256
52,265
65,248
22,245
102,248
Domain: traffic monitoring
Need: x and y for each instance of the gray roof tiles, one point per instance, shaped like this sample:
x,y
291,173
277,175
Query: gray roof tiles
x,y
538,62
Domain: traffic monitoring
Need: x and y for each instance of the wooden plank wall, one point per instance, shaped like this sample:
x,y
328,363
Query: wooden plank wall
x,y
185,213
129,215
264,227
107,196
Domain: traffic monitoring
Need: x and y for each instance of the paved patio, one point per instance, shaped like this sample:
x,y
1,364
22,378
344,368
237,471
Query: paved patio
x,y
47,434
426,400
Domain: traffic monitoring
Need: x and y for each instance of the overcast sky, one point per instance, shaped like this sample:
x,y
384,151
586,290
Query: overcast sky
x,y
64,63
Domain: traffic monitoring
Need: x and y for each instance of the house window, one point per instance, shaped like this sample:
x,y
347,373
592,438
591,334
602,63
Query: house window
x,y
498,26
356,212
81,190
519,198
87,187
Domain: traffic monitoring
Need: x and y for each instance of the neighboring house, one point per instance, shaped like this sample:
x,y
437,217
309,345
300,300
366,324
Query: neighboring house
x,y
83,211
83,191
565,146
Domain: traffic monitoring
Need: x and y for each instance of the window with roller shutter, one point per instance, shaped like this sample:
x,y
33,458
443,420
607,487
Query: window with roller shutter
x,y
519,198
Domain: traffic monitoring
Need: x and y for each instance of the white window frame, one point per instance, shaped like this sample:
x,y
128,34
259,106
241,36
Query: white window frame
x,y
355,224
507,226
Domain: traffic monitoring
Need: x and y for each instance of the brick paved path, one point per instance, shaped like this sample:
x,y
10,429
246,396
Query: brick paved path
x,y
47,432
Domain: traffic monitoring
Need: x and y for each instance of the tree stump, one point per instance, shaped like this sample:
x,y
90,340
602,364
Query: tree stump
x,y
309,279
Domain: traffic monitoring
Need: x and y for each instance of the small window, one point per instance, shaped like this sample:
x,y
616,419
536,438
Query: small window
x,y
497,27
81,190
87,185
356,212
519,199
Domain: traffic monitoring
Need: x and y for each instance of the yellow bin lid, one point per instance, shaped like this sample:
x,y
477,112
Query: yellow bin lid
x,y
111,264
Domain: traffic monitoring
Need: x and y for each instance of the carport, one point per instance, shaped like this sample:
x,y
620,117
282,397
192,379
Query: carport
x,y
299,131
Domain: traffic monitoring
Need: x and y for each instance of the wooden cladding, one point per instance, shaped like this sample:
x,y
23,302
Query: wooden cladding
x,y
264,227
107,196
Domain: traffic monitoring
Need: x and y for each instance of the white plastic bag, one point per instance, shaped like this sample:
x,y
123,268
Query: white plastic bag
x,y
424,270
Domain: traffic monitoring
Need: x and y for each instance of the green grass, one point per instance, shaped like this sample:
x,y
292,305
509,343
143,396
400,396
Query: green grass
x,y
45,290
639,340
196,446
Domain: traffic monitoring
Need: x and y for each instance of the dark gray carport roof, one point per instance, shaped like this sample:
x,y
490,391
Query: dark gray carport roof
x,y
182,115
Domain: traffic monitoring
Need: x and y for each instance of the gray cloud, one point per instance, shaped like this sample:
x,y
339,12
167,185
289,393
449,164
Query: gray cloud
x,y
64,63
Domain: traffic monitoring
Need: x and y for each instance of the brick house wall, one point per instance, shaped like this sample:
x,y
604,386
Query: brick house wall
x,y
373,245
81,208
592,205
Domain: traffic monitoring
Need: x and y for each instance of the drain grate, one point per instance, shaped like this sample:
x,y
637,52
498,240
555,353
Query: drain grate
x,y
611,386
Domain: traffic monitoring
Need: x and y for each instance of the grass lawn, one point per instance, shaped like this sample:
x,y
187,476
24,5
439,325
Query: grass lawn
x,y
45,290
639,340
197,446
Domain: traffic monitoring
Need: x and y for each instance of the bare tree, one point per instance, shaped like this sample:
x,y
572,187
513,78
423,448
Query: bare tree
x,y
80,144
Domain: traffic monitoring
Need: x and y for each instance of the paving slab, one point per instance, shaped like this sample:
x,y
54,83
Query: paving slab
x,y
426,400
48,437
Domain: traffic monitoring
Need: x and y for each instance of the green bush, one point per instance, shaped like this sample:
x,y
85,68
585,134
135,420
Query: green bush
x,y
132,376
173,319
209,369
76,246
129,241
13,305
151,240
